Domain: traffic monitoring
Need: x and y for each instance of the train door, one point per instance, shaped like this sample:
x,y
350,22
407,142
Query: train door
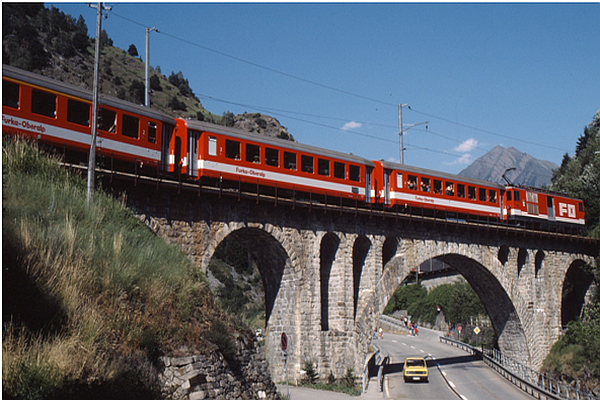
x,y
368,171
167,137
550,204
386,186
193,140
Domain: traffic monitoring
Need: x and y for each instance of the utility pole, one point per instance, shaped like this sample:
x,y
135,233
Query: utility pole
x,y
402,130
147,99
91,184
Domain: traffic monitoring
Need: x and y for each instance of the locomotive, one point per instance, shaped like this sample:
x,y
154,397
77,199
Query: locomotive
x,y
133,136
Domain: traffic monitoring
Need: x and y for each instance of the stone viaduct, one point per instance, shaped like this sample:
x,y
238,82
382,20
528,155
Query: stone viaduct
x,y
329,273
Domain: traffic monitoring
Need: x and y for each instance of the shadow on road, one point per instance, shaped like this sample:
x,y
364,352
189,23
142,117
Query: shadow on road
x,y
398,367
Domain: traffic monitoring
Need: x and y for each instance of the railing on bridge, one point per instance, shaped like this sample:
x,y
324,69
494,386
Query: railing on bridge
x,y
538,385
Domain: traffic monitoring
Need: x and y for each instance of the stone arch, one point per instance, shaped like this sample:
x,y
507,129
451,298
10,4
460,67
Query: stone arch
x,y
268,254
329,247
577,283
390,247
360,250
522,257
511,335
502,312
539,261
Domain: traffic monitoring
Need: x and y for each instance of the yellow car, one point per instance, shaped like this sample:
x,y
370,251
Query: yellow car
x,y
415,369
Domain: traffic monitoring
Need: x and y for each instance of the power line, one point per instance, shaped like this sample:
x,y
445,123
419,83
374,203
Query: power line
x,y
297,119
348,93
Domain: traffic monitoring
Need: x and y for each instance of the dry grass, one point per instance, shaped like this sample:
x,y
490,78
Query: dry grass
x,y
93,296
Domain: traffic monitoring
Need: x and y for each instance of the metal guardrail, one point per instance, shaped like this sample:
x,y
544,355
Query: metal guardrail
x,y
527,379
377,360
395,322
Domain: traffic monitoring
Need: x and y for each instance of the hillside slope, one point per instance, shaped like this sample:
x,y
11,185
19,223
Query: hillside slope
x,y
48,42
91,297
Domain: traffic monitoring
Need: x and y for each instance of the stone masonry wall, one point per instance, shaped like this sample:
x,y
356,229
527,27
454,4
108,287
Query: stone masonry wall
x,y
212,377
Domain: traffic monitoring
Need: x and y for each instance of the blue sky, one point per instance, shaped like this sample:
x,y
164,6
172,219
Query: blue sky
x,y
480,75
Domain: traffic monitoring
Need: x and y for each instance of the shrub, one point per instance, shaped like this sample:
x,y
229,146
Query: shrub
x,y
349,380
311,376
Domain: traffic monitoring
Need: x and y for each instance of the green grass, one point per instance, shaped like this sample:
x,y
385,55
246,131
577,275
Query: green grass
x,y
91,296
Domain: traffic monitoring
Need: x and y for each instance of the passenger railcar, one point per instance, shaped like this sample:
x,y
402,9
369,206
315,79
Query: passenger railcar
x,y
224,153
59,114
406,186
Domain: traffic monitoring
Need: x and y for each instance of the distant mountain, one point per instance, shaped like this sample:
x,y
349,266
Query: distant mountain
x,y
528,171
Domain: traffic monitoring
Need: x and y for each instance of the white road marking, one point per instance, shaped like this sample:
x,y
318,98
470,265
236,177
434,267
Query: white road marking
x,y
452,384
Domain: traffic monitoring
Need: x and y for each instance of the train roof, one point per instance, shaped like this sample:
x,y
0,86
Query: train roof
x,y
438,174
82,93
275,141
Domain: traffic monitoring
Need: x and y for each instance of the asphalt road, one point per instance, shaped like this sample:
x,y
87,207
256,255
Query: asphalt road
x,y
452,372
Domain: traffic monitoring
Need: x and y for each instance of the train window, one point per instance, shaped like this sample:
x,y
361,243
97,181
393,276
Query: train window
x,y
107,120
449,188
307,164
580,207
10,94
460,190
212,145
339,170
508,195
271,157
517,196
492,196
253,153
289,160
323,167
472,193
482,194
412,182
532,209
43,103
437,186
232,149
78,112
131,126
399,180
354,173
425,184
532,197
151,132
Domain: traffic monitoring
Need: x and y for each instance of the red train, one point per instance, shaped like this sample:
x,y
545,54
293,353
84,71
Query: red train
x,y
131,136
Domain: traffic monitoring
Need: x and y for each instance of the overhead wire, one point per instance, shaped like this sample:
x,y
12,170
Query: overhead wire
x,y
332,88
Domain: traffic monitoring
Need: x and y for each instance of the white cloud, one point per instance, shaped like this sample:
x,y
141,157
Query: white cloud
x,y
467,145
351,125
465,159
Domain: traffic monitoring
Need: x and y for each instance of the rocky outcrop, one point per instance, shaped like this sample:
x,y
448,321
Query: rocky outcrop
x,y
263,124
